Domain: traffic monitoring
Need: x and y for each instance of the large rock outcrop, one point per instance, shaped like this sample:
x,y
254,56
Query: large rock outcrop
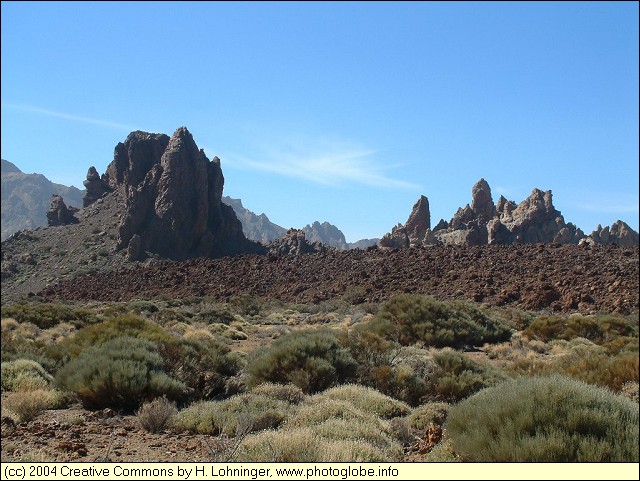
x,y
416,231
173,199
536,220
59,213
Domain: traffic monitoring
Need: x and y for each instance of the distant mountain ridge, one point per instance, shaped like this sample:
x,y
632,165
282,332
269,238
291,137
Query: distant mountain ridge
x,y
27,197
260,229
255,227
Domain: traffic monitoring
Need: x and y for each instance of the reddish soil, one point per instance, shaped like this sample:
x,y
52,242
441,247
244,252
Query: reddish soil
x,y
564,278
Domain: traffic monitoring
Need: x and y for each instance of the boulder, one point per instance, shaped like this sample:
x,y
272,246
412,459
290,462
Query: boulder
x,y
59,213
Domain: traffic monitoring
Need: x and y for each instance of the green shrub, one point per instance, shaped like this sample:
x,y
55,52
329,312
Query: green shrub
x,y
600,368
24,375
319,412
365,399
245,412
631,390
140,306
26,405
205,366
589,363
457,376
155,415
354,430
442,453
396,371
303,445
215,316
123,325
291,446
121,373
430,413
46,315
246,304
552,419
312,360
410,318
284,392
599,329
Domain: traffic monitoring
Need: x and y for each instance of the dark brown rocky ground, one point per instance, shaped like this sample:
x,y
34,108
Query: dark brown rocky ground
x,y
536,277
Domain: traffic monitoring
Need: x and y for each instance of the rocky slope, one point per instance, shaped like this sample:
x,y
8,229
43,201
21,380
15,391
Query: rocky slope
x,y
160,197
26,198
534,220
530,276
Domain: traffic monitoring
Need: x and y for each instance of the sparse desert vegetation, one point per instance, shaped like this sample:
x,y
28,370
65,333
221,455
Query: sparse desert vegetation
x,y
409,379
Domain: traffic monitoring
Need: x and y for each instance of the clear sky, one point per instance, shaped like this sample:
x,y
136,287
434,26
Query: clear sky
x,y
340,112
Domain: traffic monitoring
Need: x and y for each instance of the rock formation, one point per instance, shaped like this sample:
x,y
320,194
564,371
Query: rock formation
x,y
136,157
534,220
173,199
416,231
619,234
294,243
59,213
95,187
482,202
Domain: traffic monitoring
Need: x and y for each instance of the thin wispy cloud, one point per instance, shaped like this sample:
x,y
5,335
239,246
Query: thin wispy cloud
x,y
332,166
610,208
67,116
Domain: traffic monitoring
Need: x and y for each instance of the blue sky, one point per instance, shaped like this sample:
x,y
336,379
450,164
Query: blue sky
x,y
340,112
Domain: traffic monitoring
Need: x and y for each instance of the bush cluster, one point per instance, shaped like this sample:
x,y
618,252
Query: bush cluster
x,y
397,371
23,406
588,362
127,324
429,413
121,373
598,329
411,318
545,419
46,315
325,430
205,366
458,376
24,375
245,412
312,360
366,399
